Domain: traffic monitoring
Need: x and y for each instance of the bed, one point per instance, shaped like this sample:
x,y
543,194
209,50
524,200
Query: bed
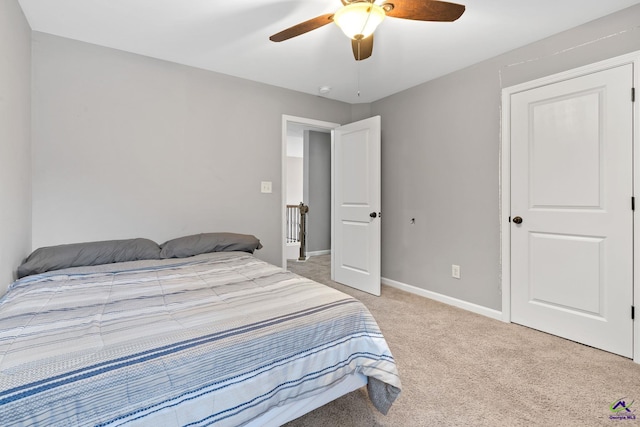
x,y
191,338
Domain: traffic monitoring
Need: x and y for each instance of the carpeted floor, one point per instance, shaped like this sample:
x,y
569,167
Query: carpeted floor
x,y
462,369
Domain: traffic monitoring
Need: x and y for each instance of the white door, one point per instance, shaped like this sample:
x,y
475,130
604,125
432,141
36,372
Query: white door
x,y
356,204
571,209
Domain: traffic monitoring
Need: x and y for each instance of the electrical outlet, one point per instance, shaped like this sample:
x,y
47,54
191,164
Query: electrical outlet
x,y
455,271
265,186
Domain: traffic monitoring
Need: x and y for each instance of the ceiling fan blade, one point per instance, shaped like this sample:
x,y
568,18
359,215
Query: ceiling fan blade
x,y
425,10
363,48
302,28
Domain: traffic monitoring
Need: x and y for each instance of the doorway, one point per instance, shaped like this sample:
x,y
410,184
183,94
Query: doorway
x,y
308,163
355,200
567,198
293,155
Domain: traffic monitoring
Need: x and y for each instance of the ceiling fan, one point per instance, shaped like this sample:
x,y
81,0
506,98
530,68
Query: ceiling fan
x,y
358,19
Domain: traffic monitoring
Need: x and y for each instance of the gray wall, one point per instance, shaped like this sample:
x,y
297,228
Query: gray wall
x,y
440,160
295,179
126,145
360,112
15,140
317,189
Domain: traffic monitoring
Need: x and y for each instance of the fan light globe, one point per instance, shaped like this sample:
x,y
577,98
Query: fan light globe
x,y
359,20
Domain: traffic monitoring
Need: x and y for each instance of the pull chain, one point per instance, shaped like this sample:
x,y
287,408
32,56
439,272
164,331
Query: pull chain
x,y
358,81
359,46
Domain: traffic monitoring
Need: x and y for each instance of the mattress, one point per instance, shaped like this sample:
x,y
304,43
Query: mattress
x,y
215,339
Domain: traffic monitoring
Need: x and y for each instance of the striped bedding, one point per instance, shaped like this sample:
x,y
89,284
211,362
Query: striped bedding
x,y
215,339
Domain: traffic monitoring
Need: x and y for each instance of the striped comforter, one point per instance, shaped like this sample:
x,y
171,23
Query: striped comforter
x,y
213,339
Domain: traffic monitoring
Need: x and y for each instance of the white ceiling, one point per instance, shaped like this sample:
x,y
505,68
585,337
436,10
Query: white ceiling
x,y
232,37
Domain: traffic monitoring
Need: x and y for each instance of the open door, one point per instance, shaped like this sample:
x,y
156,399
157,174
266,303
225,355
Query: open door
x,y
356,205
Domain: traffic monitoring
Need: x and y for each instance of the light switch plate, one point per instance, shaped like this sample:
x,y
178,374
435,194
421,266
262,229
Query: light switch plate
x,y
265,186
455,271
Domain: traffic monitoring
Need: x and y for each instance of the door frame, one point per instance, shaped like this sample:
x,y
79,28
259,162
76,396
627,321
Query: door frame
x,y
312,123
505,177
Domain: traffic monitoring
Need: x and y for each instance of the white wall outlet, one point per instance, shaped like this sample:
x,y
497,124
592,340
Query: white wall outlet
x,y
455,271
265,187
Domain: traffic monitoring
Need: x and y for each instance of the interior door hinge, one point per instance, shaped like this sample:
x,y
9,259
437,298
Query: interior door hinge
x,y
633,203
633,312
633,94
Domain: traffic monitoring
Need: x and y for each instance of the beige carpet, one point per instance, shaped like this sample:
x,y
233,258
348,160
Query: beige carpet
x,y
462,369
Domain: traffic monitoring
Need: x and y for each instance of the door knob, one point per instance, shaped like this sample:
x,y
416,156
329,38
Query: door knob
x,y
373,214
517,220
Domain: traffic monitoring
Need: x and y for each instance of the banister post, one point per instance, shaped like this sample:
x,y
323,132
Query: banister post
x,y
303,231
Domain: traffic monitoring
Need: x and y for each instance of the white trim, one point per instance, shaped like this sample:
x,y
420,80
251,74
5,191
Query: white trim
x,y
318,253
286,119
474,308
505,205
630,58
333,205
636,224
505,177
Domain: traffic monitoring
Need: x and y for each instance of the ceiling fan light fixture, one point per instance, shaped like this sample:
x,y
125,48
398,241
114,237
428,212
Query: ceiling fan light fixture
x,y
359,20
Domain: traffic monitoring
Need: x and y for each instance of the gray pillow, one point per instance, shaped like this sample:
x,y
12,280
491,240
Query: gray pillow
x,y
203,243
91,253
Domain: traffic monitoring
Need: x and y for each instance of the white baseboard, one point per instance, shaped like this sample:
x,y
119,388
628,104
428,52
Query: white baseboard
x,y
475,308
317,253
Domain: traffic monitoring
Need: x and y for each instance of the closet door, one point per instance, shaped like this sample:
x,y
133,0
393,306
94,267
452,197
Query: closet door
x,y
571,213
